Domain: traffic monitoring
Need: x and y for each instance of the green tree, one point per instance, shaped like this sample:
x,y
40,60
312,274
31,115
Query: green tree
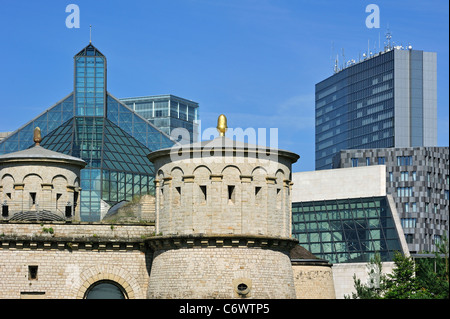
x,y
374,288
432,273
402,282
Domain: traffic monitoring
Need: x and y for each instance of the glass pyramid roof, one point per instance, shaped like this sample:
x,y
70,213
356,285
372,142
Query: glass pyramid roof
x,y
89,50
118,114
114,143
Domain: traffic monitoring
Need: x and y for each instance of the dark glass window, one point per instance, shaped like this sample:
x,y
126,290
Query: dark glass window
x,y
105,290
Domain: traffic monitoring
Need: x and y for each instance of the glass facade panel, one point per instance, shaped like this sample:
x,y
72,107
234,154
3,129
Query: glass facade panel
x,y
355,109
352,230
47,122
90,84
167,112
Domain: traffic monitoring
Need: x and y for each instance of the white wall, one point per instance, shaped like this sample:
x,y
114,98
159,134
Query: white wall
x,y
354,182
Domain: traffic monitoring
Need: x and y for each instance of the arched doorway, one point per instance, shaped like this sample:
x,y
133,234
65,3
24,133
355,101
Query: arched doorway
x,y
105,289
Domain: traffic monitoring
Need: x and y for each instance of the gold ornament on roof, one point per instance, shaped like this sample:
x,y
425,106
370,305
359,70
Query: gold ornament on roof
x,y
222,124
37,136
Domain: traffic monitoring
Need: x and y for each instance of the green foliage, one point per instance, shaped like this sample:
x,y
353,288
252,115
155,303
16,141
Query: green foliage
x,y
376,281
410,279
402,283
48,230
432,273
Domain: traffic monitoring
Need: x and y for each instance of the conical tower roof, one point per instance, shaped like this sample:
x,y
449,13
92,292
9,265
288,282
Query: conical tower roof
x,y
37,152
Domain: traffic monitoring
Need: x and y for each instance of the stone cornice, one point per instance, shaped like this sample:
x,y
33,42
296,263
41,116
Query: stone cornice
x,y
47,242
220,241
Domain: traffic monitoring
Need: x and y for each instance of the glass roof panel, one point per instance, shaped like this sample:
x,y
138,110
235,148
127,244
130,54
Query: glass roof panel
x,y
141,129
46,121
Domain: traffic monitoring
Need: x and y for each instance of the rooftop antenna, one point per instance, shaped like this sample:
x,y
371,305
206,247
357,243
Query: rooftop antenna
x,y
388,38
336,64
90,33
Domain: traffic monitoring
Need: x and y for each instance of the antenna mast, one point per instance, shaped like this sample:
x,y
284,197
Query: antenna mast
x,y
388,38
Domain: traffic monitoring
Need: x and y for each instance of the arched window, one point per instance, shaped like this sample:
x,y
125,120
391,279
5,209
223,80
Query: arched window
x,y
105,289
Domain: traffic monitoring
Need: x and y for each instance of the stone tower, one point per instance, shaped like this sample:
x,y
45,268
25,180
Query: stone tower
x,y
223,221
39,184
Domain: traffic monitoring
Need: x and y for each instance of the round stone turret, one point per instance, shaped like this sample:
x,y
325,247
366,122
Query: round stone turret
x,y
39,184
223,187
223,221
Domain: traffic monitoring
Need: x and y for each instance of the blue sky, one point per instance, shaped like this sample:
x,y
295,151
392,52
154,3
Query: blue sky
x,y
257,61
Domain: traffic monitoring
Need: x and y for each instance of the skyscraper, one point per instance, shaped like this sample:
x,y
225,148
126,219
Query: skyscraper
x,y
386,100
92,124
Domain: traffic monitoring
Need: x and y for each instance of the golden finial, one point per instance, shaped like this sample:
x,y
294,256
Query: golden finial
x,y
222,124
37,136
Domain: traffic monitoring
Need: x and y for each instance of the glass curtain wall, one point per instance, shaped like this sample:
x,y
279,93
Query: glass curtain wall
x,y
355,109
167,112
347,230
90,82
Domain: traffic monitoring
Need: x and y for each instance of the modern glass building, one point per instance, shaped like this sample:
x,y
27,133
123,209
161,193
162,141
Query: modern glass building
x,y
386,100
168,112
92,124
346,230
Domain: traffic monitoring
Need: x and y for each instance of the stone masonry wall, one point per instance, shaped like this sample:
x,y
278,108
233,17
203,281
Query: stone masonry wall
x,y
71,257
313,282
216,273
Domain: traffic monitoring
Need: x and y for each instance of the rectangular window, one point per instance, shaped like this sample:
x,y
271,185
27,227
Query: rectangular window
x,y
414,176
408,222
32,272
177,196
381,160
409,238
404,160
5,210
33,198
414,207
404,176
58,199
437,239
68,211
367,161
258,195
404,191
161,197
203,194
231,194
354,162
